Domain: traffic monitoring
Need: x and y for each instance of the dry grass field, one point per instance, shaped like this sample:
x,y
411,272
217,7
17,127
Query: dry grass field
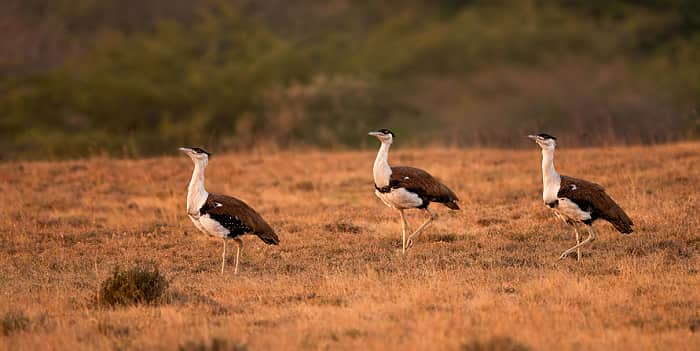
x,y
484,278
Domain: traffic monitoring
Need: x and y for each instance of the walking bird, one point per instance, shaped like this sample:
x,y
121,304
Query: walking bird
x,y
576,201
220,215
404,188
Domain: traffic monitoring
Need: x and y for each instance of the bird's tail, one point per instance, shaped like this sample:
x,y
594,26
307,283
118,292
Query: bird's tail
x,y
452,204
269,238
623,224
619,219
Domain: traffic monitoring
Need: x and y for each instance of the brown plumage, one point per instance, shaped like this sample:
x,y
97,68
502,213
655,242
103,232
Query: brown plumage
x,y
424,185
239,218
591,197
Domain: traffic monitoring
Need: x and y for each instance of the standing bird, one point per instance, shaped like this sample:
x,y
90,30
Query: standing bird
x,y
220,215
577,201
407,187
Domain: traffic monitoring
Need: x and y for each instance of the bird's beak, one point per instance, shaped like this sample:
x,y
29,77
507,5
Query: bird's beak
x,y
185,150
375,134
533,137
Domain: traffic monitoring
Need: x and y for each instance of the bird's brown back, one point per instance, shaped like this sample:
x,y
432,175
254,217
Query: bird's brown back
x,y
424,184
592,197
231,206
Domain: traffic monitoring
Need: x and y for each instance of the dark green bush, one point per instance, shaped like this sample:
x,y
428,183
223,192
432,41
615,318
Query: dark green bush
x,y
133,286
230,75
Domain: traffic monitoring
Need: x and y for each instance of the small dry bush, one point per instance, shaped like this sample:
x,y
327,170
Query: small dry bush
x,y
343,227
215,345
495,344
14,321
136,285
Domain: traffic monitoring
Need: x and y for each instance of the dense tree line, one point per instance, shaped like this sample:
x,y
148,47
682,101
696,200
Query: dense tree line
x,y
130,77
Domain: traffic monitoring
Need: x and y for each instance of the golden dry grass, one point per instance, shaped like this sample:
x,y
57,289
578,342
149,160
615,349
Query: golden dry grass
x,y
486,276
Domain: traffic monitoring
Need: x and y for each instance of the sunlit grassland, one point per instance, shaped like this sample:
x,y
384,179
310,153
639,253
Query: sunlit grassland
x,y
483,276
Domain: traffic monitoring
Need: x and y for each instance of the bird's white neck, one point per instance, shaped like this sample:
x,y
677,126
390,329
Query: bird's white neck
x,y
196,194
381,169
551,180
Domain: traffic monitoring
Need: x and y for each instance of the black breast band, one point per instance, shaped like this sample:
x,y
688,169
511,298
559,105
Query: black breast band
x,y
384,189
553,204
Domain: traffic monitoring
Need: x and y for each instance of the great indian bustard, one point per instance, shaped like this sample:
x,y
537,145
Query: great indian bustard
x,y
576,201
220,215
404,188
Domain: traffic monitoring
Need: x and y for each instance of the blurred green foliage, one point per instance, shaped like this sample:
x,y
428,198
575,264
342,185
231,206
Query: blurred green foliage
x,y
142,77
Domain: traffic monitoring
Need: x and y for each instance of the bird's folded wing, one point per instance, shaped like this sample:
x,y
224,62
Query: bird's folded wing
x,y
421,182
593,198
238,217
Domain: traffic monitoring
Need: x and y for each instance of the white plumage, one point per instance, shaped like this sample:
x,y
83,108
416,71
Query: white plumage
x,y
568,211
399,199
213,227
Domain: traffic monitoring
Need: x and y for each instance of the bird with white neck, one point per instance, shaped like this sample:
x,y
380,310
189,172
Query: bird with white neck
x,y
222,216
403,188
576,201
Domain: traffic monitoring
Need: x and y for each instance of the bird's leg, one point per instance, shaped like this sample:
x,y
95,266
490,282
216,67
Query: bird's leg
x,y
433,216
223,258
578,242
404,228
239,243
591,237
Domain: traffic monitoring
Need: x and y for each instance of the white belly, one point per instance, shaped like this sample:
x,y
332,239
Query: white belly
x,y
568,210
210,226
399,198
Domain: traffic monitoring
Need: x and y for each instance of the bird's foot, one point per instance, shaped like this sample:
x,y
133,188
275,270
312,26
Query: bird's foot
x,y
563,255
409,243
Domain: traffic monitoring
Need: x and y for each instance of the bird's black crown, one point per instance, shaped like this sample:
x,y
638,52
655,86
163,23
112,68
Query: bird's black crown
x,y
546,136
386,131
200,151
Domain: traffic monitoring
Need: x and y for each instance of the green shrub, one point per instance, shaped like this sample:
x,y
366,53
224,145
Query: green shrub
x,y
131,287
227,75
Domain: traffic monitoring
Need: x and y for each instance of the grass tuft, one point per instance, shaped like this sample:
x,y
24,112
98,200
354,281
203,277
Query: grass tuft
x,y
494,344
215,345
14,321
134,286
343,227
443,238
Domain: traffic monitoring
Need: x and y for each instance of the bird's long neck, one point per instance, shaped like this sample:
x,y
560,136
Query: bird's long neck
x,y
381,169
550,178
196,194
